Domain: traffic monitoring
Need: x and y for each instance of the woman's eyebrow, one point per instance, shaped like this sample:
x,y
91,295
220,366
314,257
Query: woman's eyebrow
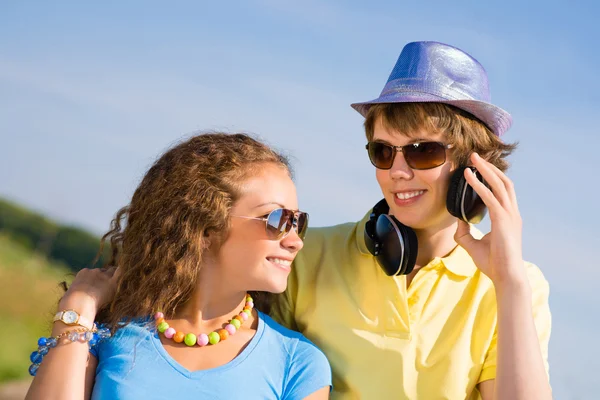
x,y
270,203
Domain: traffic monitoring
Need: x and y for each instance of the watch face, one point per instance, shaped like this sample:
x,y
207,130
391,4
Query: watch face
x,y
70,317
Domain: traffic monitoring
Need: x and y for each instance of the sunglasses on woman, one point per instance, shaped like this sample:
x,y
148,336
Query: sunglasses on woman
x,y
420,155
280,222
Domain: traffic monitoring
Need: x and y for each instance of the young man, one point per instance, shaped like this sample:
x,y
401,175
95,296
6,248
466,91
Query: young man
x,y
462,315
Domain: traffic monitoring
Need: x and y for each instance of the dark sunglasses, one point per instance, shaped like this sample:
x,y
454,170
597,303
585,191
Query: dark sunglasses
x,y
420,155
280,221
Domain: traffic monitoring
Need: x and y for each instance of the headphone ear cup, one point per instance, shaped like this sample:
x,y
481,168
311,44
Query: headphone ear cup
x,y
372,240
370,236
455,190
394,245
411,247
462,201
397,246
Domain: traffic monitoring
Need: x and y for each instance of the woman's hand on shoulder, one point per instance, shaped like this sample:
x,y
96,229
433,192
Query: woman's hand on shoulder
x,y
91,289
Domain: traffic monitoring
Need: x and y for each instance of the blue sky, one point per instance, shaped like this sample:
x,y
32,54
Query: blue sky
x,y
90,94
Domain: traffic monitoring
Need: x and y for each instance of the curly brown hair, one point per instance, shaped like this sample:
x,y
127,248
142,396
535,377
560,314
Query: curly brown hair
x,y
159,239
465,132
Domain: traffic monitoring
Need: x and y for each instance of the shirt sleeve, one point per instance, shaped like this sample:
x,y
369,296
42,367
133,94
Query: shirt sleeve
x,y
308,372
541,317
282,310
94,350
287,305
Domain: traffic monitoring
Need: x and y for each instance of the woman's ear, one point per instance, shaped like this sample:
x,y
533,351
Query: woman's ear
x,y
207,249
207,239
211,241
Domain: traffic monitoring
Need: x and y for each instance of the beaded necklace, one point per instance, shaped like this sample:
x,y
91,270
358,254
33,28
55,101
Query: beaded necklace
x,y
203,339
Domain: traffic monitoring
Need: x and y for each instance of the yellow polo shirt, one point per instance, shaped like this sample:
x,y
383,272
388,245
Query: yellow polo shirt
x,y
434,340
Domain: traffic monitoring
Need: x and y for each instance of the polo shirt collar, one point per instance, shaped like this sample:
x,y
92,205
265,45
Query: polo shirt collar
x,y
360,234
459,262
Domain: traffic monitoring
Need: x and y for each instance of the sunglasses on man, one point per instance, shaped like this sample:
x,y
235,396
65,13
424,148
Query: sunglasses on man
x,y
419,155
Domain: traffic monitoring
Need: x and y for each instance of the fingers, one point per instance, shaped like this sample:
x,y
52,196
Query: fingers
x,y
486,194
92,274
109,271
493,178
508,184
117,273
463,235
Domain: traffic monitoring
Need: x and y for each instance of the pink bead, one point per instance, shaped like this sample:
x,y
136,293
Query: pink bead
x,y
250,304
244,316
169,333
202,339
159,315
231,329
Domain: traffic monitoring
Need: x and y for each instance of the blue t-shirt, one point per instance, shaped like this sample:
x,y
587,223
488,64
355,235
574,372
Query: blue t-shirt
x,y
277,364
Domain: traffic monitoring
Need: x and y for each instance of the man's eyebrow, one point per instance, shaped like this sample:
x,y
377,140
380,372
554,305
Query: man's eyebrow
x,y
411,141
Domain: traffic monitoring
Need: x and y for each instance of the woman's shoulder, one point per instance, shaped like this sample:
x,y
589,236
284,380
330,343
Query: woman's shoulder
x,y
307,368
295,343
128,331
279,331
132,326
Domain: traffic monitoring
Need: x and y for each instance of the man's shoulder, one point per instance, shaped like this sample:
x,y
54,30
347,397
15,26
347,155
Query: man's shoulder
x,y
537,280
330,233
328,238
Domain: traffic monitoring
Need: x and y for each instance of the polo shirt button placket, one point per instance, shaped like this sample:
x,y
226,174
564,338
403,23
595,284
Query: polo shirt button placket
x,y
414,299
413,302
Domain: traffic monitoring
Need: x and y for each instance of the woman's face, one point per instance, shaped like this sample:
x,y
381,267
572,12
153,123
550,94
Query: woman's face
x,y
417,198
249,258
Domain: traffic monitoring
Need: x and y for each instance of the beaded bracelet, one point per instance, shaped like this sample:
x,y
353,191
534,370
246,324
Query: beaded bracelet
x,y
83,335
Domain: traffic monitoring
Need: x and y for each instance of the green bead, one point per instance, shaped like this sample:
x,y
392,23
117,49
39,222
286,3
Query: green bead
x,y
190,339
236,323
249,312
214,338
162,327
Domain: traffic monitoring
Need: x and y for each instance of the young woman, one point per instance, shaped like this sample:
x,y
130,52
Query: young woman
x,y
212,228
412,302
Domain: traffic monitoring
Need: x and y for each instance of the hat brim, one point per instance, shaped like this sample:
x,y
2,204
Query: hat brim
x,y
495,118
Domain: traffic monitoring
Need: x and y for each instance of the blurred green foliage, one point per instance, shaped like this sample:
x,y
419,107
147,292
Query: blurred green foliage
x,y
72,246
36,254
29,293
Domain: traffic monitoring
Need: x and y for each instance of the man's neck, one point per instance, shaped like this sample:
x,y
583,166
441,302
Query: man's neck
x,y
435,242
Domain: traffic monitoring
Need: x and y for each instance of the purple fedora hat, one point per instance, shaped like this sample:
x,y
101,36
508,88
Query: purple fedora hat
x,y
436,72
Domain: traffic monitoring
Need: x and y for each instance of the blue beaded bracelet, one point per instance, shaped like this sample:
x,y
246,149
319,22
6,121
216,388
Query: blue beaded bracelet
x,y
78,335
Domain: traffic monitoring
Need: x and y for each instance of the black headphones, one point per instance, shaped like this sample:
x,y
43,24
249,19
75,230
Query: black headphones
x,y
395,245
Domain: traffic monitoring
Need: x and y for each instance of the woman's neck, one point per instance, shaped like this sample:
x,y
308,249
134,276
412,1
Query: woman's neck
x,y
208,305
212,301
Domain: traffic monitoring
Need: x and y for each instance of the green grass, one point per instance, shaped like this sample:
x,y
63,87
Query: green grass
x,y
29,292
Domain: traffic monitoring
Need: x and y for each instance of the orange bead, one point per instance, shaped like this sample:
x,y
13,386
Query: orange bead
x,y
239,318
223,334
158,321
247,308
178,337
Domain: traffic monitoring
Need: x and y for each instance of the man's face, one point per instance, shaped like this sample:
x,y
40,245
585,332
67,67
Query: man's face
x,y
417,198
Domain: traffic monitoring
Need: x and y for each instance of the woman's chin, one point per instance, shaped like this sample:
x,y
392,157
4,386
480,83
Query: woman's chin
x,y
274,286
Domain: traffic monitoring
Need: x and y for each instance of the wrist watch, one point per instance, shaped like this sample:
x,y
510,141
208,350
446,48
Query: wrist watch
x,y
72,317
